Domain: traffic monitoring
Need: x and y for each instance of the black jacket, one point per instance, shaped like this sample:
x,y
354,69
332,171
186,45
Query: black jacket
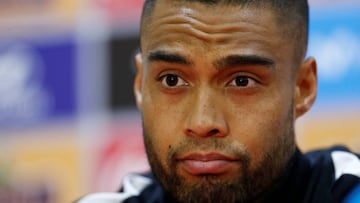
x,y
322,176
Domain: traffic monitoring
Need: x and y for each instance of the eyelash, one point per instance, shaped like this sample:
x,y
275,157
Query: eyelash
x,y
249,82
163,80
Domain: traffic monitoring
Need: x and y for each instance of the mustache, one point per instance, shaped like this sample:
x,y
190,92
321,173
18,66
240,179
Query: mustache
x,y
226,147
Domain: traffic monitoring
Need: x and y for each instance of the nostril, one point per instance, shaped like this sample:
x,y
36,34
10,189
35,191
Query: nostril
x,y
189,132
210,133
214,132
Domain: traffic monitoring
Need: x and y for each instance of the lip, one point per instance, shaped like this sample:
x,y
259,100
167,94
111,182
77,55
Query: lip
x,y
207,164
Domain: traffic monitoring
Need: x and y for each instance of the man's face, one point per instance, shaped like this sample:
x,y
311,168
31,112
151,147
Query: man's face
x,y
216,86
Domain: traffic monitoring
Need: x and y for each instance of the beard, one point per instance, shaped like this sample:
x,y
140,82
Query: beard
x,y
207,188
249,184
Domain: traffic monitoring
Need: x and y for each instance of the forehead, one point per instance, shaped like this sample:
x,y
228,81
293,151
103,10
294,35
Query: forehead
x,y
187,25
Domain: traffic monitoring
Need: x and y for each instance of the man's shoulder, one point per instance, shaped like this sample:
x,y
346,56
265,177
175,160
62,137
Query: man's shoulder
x,y
342,160
336,167
133,186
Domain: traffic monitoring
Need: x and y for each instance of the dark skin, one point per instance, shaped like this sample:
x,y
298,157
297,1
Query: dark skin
x,y
220,90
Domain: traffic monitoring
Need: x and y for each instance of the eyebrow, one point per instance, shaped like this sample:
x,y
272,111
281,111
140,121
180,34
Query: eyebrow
x,y
163,56
227,61
240,60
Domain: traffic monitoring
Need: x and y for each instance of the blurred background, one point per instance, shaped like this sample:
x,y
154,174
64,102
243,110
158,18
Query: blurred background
x,y
68,121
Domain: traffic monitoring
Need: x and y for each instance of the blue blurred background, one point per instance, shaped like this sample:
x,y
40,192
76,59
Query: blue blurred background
x,y
68,121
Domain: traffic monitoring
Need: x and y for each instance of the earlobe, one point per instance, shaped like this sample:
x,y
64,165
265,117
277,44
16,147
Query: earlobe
x,y
138,80
306,87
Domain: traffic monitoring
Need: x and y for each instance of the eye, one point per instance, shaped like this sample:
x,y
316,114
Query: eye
x,y
242,81
171,80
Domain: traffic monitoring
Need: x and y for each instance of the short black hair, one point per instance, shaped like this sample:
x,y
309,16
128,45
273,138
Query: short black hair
x,y
293,15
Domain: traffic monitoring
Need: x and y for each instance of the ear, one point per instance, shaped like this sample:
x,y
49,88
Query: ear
x,y
138,80
306,87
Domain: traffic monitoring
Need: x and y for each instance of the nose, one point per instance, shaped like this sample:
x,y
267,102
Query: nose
x,y
206,118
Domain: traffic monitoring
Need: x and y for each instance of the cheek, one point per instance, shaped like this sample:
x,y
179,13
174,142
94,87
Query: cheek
x,y
265,126
162,124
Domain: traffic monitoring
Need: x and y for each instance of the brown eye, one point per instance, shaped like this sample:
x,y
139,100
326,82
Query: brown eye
x,y
171,80
242,81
